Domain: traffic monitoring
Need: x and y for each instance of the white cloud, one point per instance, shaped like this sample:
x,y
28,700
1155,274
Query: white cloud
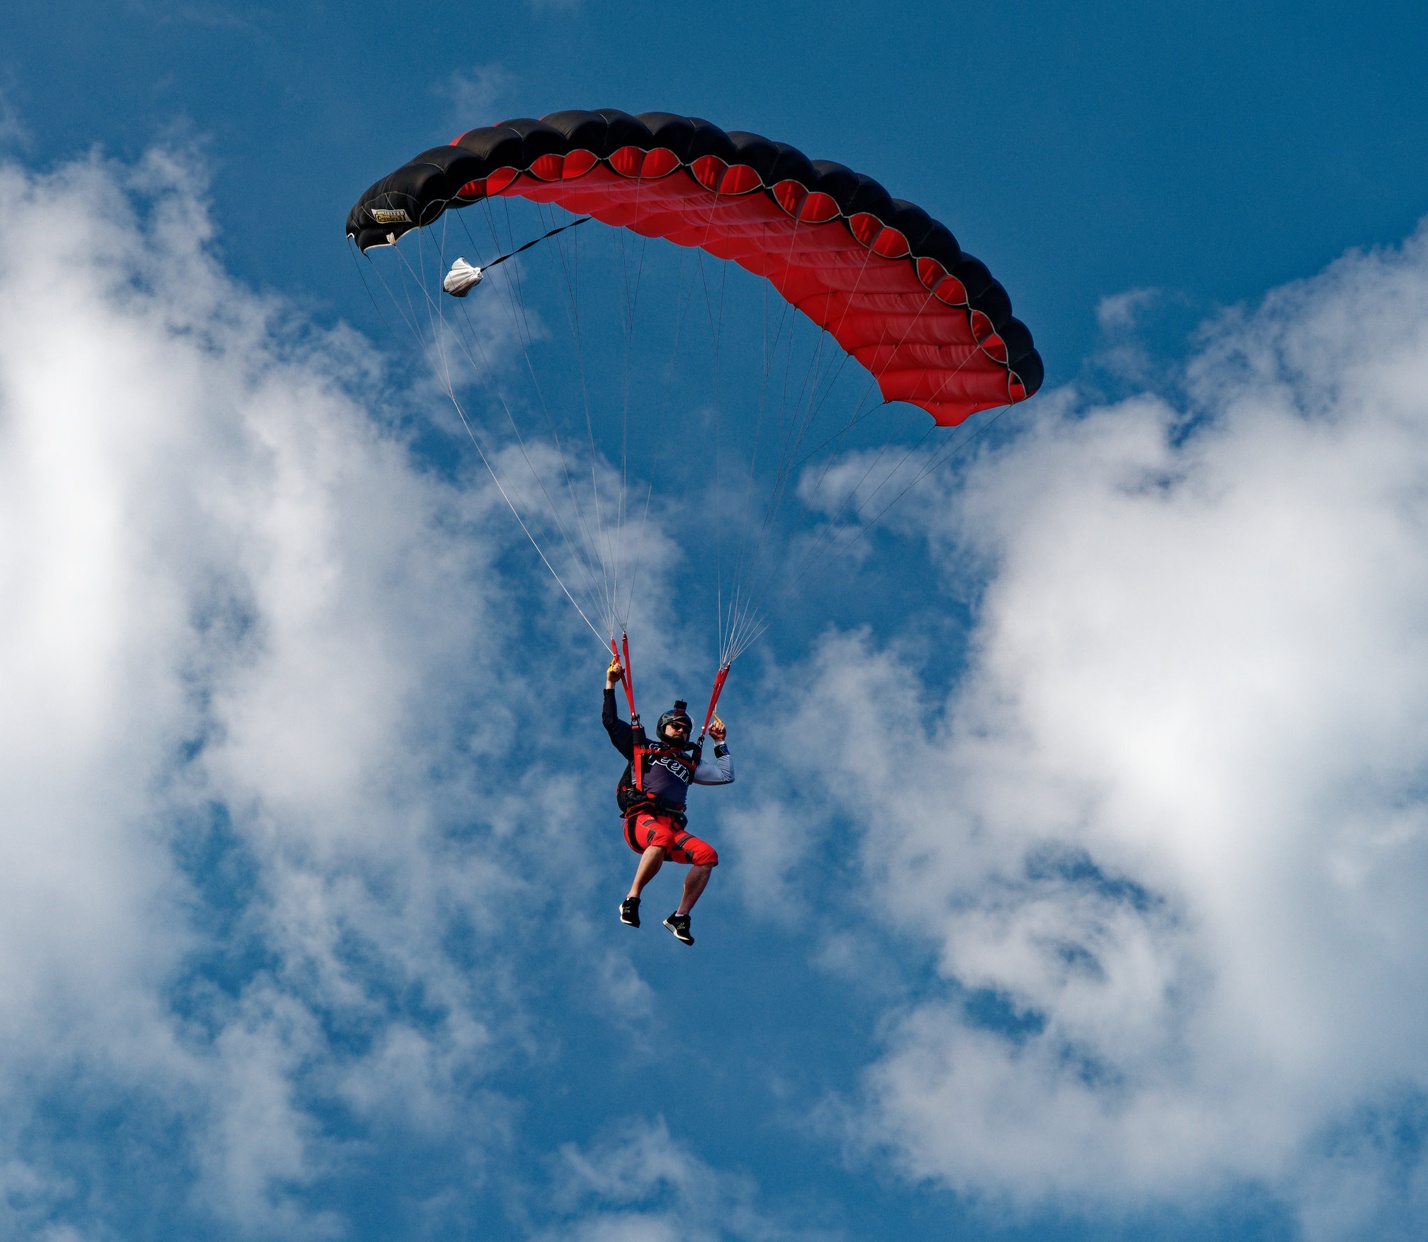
x,y
241,639
13,132
1175,816
639,1184
1120,312
1172,820
474,96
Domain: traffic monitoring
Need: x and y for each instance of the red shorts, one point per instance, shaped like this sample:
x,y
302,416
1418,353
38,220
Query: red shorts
x,y
644,830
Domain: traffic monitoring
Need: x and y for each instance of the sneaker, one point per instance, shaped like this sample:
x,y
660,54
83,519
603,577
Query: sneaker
x,y
630,912
679,925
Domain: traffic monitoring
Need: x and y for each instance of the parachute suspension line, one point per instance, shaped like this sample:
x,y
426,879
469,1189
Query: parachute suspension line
x,y
621,544
569,270
644,523
716,336
656,442
588,557
819,556
627,337
443,374
597,541
812,556
480,452
624,551
594,484
744,549
439,337
859,414
486,461
827,334
768,590
716,330
751,621
514,292
718,477
484,369
752,594
357,259
627,365
794,432
749,550
935,460
515,298
770,344
771,505
615,539
621,654
797,428
813,552
682,301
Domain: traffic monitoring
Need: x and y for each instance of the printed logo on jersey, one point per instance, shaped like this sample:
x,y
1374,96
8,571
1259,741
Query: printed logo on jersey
x,y
674,767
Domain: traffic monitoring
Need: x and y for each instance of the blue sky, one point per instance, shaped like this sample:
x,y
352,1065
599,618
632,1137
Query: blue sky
x,y
1072,881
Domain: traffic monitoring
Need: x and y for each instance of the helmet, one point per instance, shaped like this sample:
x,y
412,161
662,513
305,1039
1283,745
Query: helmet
x,y
678,712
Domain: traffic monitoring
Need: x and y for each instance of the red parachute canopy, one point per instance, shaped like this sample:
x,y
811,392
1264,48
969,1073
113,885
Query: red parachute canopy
x,y
888,282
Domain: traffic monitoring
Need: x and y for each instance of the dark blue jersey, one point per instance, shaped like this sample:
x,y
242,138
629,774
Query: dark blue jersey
x,y
667,772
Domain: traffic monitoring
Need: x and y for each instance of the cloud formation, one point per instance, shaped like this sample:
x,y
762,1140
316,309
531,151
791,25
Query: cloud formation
x,y
240,636
1166,836
636,1183
272,894
474,95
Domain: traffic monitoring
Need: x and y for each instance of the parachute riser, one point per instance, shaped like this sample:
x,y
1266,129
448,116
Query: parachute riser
x,y
719,679
622,654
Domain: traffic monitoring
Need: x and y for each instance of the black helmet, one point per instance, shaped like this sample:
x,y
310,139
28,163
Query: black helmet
x,y
678,712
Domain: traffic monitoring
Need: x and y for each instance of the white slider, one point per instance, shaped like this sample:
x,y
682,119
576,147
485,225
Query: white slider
x,y
461,279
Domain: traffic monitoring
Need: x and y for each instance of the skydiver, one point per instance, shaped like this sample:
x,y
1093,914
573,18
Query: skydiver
x,y
654,814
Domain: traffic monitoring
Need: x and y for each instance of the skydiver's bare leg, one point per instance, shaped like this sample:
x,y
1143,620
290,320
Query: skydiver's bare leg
x,y
694,884
650,862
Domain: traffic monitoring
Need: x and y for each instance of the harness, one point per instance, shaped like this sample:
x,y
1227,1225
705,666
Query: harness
x,y
630,793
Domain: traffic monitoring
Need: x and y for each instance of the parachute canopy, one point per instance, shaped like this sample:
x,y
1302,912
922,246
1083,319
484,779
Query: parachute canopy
x,y
885,280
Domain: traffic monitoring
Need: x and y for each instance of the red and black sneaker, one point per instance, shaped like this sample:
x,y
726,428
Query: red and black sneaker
x,y
679,925
630,912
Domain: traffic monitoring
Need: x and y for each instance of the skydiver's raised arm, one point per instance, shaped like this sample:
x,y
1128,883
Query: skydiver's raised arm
x,y
725,761
622,736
